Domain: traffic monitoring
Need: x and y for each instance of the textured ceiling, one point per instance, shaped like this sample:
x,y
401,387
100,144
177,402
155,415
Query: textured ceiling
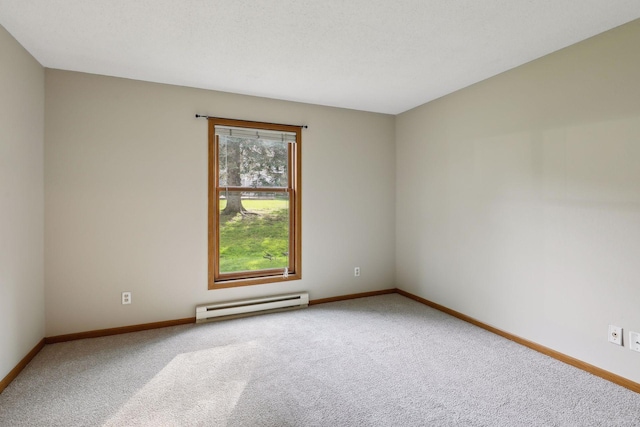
x,y
374,55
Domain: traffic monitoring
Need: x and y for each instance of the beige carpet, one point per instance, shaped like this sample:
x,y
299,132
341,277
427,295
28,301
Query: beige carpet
x,y
178,395
380,361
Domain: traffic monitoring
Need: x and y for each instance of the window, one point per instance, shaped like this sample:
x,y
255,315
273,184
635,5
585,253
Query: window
x,y
254,203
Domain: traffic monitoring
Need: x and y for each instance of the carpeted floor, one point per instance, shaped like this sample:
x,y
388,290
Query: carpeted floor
x,y
379,361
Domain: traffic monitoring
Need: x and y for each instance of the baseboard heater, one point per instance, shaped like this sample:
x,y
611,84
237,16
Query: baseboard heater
x,y
248,307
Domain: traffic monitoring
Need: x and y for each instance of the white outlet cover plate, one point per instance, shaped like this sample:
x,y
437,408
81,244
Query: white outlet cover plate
x,y
634,341
615,335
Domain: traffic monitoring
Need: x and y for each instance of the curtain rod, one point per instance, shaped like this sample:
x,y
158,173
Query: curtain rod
x,y
200,116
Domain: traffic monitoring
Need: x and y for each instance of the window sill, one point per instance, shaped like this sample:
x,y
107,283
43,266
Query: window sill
x,y
233,283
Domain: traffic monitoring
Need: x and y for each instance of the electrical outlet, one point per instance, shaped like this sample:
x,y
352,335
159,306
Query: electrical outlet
x,y
615,335
634,341
126,298
356,272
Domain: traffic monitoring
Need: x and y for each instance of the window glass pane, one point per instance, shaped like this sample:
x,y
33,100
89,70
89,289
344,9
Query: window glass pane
x,y
254,231
252,161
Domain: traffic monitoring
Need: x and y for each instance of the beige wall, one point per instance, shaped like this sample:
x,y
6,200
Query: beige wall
x,y
126,199
21,203
518,199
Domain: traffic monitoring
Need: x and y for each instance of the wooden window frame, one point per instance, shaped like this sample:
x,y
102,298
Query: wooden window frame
x,y
229,280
